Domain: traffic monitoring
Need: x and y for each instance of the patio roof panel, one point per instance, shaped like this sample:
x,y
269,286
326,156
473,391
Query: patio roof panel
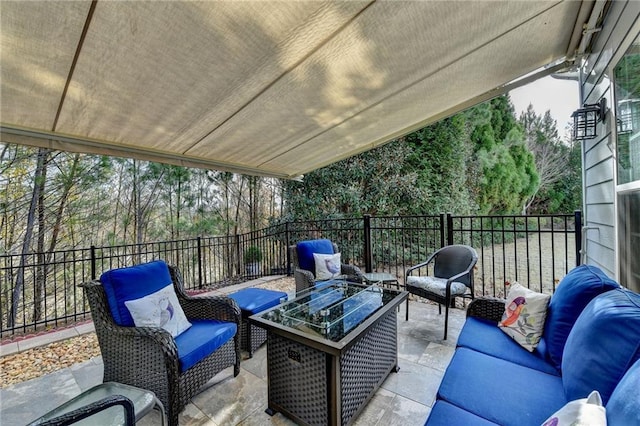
x,y
269,88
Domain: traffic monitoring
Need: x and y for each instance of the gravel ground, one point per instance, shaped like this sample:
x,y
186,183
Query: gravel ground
x,y
43,360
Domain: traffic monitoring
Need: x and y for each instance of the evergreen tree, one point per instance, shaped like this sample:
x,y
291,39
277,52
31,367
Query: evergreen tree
x,y
440,157
506,169
375,182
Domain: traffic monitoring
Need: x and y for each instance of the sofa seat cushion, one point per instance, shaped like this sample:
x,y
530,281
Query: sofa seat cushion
x,y
624,405
603,344
484,336
201,340
500,391
445,414
574,292
306,249
133,282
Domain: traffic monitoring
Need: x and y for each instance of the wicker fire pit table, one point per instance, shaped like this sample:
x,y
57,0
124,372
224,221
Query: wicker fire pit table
x,y
329,349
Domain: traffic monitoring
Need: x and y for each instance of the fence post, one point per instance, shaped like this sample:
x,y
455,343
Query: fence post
x,y
368,254
200,262
449,230
93,262
578,231
287,242
238,262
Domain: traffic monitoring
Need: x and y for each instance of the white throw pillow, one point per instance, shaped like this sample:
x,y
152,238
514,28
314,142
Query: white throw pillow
x,y
159,309
327,265
582,412
524,315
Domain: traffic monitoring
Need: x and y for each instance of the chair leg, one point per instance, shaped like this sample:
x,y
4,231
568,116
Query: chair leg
x,y
446,319
406,317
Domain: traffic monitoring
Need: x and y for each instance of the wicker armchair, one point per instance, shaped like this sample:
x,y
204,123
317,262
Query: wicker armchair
x,y
147,357
305,279
452,277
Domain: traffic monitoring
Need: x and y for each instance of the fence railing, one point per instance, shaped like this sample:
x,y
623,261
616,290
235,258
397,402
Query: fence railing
x,y
40,290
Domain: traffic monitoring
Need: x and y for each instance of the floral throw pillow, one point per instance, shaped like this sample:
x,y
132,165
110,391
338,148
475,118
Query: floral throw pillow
x,y
327,266
159,309
582,412
524,315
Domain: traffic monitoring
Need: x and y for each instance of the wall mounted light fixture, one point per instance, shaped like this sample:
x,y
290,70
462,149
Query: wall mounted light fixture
x,y
627,116
586,119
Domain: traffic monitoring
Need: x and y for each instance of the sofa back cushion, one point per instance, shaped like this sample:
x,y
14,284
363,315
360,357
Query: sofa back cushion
x,y
134,282
624,405
574,292
603,344
306,249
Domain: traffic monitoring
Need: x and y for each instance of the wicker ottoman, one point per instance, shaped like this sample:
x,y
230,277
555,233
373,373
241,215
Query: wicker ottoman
x,y
252,301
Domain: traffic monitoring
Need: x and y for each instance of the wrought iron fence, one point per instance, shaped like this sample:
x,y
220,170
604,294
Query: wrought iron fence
x,y
40,290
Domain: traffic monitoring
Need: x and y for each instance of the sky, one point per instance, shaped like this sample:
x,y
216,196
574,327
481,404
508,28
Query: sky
x,y
561,97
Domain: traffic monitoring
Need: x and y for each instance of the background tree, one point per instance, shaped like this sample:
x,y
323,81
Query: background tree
x,y
551,157
506,167
441,157
378,182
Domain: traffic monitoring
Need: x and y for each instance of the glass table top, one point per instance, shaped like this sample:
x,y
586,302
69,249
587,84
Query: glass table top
x,y
332,311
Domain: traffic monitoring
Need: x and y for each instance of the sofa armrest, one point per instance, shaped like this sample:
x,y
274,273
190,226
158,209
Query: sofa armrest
x,y
489,308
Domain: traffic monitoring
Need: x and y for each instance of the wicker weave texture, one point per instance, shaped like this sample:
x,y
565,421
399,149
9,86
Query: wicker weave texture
x,y
489,308
147,357
367,363
251,337
302,389
298,388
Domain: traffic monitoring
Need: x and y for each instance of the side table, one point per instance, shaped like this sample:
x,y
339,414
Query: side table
x,y
381,277
96,404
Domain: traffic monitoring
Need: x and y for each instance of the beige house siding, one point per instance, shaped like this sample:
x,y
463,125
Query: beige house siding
x,y
598,155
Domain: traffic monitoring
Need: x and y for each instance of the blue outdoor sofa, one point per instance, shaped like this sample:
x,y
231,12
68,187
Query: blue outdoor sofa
x,y
591,341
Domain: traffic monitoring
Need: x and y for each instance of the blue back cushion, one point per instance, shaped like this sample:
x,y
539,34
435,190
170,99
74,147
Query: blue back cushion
x,y
306,250
575,291
624,405
603,344
131,283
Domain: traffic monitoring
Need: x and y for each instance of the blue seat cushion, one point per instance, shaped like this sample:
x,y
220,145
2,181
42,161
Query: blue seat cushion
x,y
603,344
254,300
500,391
445,414
131,283
202,339
485,336
574,292
307,248
624,405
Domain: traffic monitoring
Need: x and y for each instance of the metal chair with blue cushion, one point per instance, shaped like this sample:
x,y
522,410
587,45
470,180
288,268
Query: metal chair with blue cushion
x,y
173,367
452,277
